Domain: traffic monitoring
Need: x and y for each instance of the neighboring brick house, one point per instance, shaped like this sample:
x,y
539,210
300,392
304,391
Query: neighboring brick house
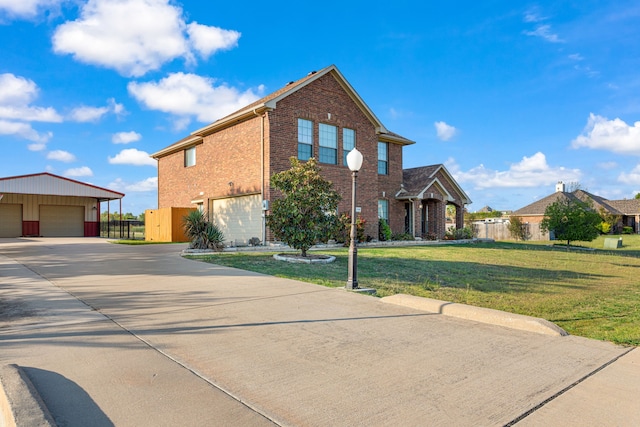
x,y
225,167
628,211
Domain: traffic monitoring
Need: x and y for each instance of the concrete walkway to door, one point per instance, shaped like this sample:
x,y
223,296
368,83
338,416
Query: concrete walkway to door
x,y
137,335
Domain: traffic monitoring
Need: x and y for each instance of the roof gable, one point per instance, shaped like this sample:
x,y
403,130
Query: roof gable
x,y
46,183
418,181
270,102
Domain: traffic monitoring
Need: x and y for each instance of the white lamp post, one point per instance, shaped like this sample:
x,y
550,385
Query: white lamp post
x,y
354,161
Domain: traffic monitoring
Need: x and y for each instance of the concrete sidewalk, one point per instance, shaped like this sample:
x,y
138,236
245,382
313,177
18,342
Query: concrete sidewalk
x,y
136,335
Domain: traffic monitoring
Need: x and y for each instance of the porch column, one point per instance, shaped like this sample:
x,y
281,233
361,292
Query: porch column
x,y
459,216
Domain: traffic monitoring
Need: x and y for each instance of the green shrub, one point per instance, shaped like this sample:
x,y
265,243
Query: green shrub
x,y
459,233
604,227
627,230
202,233
384,231
402,236
342,231
518,229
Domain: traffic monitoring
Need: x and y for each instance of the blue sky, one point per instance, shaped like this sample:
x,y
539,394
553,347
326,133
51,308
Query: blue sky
x,y
511,96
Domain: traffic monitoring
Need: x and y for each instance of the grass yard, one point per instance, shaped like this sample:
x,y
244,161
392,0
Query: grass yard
x,y
591,293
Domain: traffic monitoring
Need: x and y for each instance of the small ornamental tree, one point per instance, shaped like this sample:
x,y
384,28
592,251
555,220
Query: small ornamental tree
x,y
571,220
518,229
306,212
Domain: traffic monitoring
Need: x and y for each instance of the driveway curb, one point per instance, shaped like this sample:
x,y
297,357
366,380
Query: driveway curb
x,y
20,403
478,314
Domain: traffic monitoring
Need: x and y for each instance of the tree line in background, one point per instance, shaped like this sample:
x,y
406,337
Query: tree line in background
x,y
115,216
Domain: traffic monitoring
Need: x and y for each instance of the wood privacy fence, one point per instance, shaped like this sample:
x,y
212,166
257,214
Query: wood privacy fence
x,y
500,231
165,224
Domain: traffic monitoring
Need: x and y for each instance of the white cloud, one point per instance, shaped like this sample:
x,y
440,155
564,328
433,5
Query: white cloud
x,y
37,146
125,137
86,114
25,131
77,172
608,165
61,156
149,184
207,40
16,95
192,95
533,16
445,132
26,8
181,123
105,35
529,172
631,178
544,31
131,156
611,135
576,57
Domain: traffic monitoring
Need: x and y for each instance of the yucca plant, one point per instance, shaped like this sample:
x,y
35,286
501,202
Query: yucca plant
x,y
202,233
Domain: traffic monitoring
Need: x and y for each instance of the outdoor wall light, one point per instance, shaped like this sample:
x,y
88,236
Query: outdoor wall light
x,y
354,161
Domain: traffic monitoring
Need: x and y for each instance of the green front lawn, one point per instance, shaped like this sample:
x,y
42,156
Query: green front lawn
x,y
592,293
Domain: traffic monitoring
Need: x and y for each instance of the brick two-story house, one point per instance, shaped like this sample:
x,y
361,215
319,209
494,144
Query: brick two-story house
x,y
225,167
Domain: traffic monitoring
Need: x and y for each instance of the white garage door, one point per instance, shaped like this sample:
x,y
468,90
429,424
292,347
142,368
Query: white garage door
x,y
61,221
10,220
240,218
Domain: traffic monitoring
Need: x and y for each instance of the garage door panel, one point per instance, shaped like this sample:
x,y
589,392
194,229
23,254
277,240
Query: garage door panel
x,y
61,221
240,218
10,220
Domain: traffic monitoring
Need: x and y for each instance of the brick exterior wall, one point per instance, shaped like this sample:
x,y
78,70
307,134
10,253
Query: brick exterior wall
x,y
232,155
325,101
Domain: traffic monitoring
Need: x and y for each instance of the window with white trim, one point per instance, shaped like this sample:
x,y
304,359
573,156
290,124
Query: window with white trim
x,y
189,157
383,158
305,139
348,143
383,210
328,141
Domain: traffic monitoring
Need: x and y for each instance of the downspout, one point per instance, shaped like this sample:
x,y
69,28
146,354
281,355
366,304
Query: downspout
x,y
262,181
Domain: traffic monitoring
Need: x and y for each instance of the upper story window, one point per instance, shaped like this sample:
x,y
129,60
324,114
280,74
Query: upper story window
x,y
305,139
328,136
190,157
348,143
383,158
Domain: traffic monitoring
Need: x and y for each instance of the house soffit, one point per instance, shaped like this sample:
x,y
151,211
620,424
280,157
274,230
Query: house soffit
x,y
178,146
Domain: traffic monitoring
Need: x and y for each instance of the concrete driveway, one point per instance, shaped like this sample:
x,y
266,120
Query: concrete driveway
x,y
136,335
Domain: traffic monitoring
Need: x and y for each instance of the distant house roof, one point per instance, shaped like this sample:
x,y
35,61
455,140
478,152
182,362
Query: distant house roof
x,y
46,183
629,207
486,209
269,102
615,207
417,182
538,207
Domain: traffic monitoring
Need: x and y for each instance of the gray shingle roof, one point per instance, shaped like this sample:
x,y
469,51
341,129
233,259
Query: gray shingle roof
x,y
616,207
538,207
416,179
